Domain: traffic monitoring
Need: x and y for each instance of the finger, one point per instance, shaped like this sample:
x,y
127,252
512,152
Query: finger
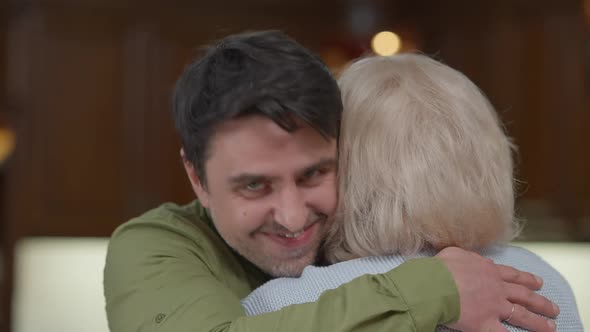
x,y
512,275
498,327
507,315
530,321
530,300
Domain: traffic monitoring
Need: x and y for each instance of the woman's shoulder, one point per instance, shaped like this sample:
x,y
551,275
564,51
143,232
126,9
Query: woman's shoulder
x,y
522,259
555,286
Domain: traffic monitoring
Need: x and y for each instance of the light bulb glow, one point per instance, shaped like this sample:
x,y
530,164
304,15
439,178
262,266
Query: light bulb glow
x,y
386,43
7,142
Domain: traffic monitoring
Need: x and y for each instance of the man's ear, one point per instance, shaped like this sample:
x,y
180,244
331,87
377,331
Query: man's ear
x,y
198,187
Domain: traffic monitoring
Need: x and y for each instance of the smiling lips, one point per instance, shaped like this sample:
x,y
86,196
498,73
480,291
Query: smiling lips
x,y
292,235
293,240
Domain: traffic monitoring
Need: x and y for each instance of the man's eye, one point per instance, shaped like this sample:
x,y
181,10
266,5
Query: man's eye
x,y
312,177
255,186
311,173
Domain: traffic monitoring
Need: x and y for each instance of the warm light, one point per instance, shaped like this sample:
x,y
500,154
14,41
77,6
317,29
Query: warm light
x,y
7,141
386,43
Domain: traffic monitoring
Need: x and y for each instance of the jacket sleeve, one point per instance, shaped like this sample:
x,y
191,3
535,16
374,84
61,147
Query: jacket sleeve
x,y
154,280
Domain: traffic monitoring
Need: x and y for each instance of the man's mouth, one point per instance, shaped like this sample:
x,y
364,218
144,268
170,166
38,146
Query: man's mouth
x,y
300,238
296,239
292,235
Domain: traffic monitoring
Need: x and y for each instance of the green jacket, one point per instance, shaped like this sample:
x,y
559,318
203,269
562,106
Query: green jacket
x,y
169,270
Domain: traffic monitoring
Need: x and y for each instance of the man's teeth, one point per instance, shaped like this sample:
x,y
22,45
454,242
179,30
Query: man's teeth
x,y
292,235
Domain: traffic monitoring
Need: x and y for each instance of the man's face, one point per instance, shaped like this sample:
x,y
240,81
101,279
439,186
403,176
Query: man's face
x,y
270,193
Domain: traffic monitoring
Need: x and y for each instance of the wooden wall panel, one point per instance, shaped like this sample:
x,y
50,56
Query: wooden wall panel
x,y
93,86
71,105
5,250
153,65
529,59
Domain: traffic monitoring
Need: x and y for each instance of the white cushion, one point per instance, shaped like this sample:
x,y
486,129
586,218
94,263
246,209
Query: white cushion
x,y
58,282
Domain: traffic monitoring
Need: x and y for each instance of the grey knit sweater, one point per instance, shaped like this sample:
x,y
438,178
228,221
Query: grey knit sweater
x,y
282,292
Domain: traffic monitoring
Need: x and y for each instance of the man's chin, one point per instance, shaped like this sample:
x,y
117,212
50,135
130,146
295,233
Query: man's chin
x,y
285,268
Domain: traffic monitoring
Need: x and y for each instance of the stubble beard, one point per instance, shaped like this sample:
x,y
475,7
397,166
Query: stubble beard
x,y
293,267
290,266
286,265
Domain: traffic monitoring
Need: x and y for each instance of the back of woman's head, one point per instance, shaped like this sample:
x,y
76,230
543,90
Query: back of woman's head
x,y
424,161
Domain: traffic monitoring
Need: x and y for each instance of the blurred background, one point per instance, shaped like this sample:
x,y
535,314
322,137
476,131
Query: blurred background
x,y
87,142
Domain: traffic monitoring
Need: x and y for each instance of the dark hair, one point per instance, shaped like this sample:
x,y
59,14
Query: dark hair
x,y
265,73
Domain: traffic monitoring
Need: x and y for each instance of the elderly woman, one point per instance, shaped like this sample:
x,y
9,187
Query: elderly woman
x,y
424,164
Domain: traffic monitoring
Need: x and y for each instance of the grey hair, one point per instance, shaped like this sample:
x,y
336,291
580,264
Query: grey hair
x,y
424,161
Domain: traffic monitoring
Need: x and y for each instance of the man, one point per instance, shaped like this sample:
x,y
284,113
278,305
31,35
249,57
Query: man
x,y
259,118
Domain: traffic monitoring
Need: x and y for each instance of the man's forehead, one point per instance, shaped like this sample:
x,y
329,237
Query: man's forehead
x,y
255,127
256,145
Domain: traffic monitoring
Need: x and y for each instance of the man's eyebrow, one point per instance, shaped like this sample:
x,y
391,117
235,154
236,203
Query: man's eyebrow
x,y
250,177
247,178
324,162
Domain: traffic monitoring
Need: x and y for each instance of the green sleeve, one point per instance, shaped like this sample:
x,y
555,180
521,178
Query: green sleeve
x,y
156,281
416,296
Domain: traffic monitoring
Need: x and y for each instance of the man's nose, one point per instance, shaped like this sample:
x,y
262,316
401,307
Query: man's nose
x,y
291,211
